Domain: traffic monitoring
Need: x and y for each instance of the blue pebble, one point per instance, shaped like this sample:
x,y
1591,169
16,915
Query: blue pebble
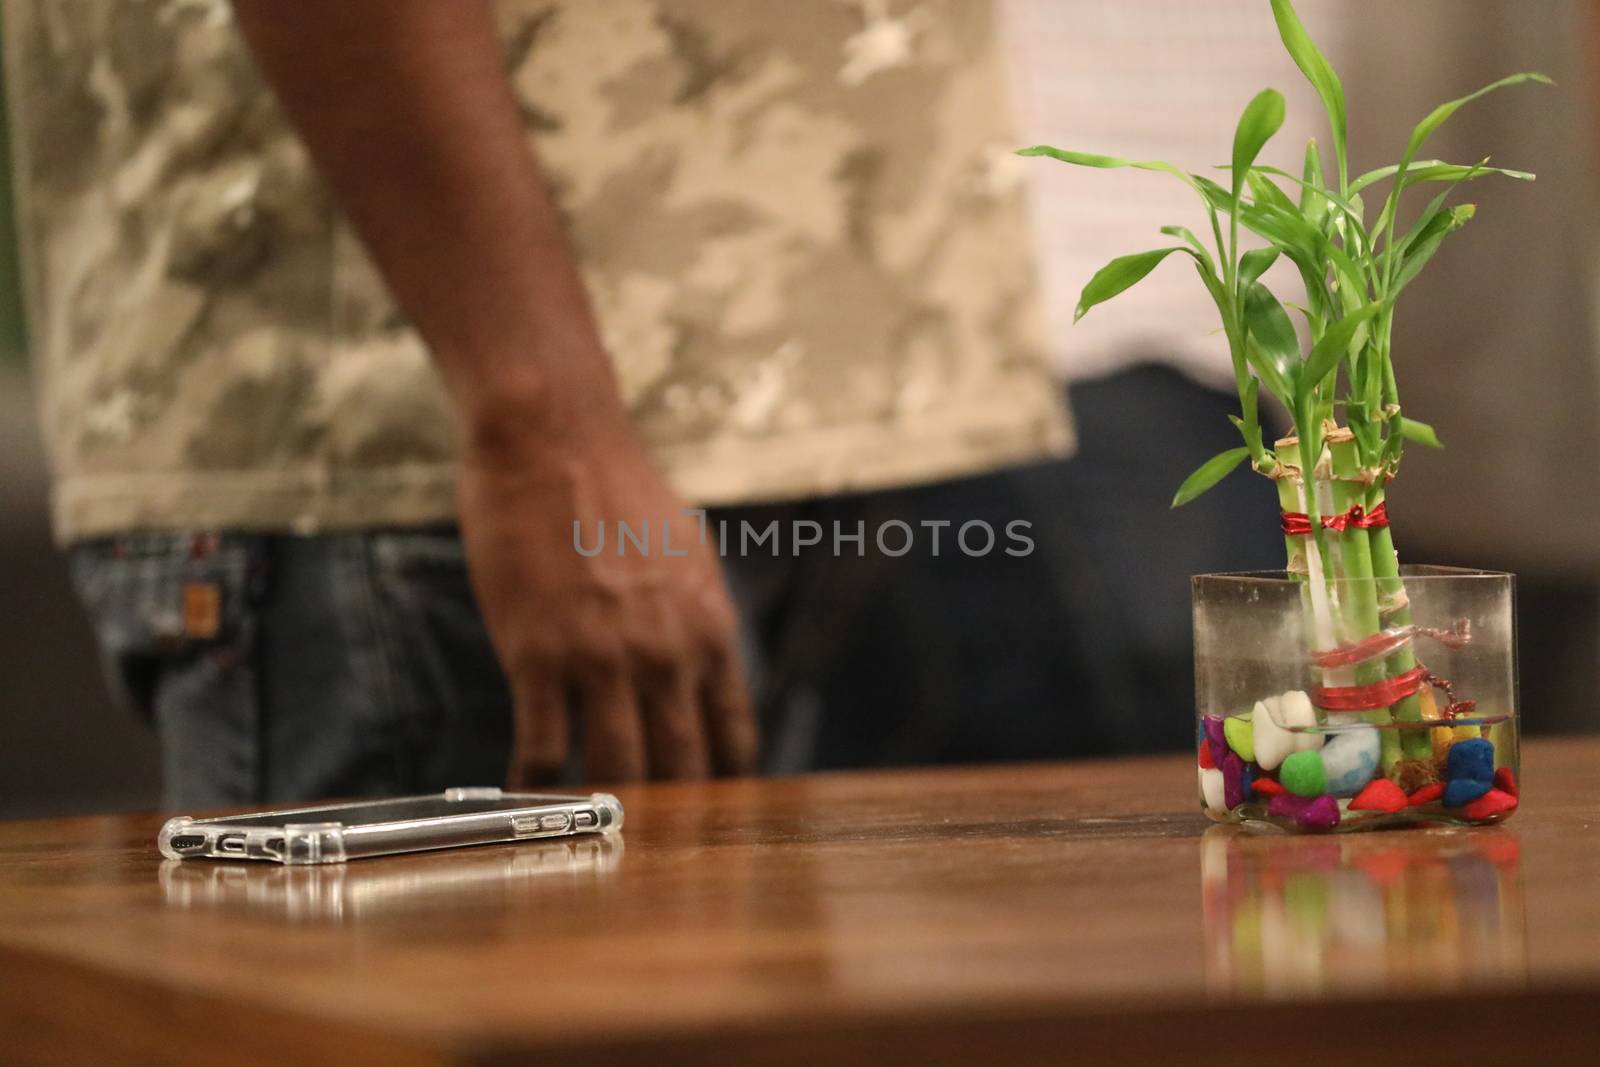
x,y
1247,780
1464,791
1473,760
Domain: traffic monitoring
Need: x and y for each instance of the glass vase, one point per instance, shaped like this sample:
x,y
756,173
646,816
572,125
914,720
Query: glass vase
x,y
1310,723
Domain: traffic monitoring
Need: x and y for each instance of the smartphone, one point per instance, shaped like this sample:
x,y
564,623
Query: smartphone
x,y
338,832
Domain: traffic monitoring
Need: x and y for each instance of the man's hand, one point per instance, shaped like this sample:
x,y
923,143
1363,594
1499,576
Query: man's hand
x,y
405,107
641,644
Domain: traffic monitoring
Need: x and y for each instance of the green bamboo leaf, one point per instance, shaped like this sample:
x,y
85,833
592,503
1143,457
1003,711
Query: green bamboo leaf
x,y
1249,424
1254,263
1184,234
1312,191
1318,72
1320,196
1433,210
1301,242
1249,403
1432,217
1272,377
1433,170
1291,233
1118,276
1209,474
1090,159
1424,221
1425,129
1317,298
1262,117
1420,432
1334,345
1268,197
1452,172
1213,284
1278,346
1215,195
1426,243
1438,116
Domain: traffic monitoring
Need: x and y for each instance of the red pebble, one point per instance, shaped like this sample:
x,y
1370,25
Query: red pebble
x,y
1205,756
1427,794
1266,787
1493,803
1505,781
1380,795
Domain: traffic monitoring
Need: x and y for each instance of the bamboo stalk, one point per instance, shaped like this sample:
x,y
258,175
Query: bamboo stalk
x,y
1311,548
1358,602
1414,743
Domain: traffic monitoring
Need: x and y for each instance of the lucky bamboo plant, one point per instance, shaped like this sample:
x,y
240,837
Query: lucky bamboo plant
x,y
1339,388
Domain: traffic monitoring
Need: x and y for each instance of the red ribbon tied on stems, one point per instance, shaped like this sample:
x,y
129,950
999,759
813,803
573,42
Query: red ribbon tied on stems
x,y
1377,645
1298,523
1370,697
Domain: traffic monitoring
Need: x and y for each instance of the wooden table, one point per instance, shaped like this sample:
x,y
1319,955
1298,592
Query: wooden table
x,y
1066,912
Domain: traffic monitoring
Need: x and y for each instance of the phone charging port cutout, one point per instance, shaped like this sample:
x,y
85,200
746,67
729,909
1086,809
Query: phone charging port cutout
x,y
231,845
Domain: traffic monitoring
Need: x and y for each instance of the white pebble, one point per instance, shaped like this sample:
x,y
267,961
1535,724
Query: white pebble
x,y
1270,722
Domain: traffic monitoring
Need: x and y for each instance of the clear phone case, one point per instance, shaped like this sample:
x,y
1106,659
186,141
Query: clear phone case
x,y
338,832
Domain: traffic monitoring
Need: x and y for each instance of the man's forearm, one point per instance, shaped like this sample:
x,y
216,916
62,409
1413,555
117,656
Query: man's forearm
x,y
406,109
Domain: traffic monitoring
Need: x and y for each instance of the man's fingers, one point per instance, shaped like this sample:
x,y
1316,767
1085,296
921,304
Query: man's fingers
x,y
674,728
541,733
730,716
613,736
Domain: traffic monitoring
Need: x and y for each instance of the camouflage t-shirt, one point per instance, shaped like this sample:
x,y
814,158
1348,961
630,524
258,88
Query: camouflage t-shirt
x,y
799,224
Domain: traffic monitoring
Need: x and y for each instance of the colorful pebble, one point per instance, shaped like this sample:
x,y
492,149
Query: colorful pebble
x,y
1313,813
1274,742
1472,760
1322,814
1350,759
1493,803
1380,795
1302,774
1460,791
1319,775
1427,794
1240,736
1211,790
1232,768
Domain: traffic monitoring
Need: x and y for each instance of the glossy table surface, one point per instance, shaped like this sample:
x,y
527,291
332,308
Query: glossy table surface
x,y
978,915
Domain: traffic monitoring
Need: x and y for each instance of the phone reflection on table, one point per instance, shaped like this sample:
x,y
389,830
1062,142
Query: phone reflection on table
x,y
1415,909
472,879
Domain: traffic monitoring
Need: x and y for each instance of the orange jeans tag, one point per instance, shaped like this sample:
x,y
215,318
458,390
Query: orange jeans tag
x,y
202,610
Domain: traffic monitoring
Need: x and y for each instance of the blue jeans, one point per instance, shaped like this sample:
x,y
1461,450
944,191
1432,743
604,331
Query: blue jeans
x,y
280,668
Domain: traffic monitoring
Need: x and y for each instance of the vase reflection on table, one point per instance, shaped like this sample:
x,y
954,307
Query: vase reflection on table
x,y
1365,913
